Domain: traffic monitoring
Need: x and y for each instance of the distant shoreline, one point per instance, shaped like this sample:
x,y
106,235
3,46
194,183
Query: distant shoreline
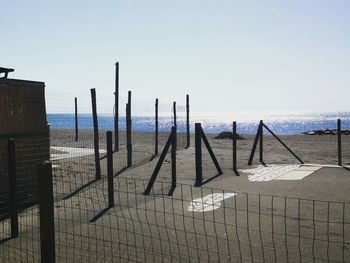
x,y
288,125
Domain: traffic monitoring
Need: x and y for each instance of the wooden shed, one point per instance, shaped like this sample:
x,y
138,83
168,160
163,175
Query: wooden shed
x,y
22,118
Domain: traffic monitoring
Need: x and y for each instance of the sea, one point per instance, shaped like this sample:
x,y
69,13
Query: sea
x,y
282,123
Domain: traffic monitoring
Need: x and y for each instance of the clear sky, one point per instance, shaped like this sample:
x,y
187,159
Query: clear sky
x,y
228,55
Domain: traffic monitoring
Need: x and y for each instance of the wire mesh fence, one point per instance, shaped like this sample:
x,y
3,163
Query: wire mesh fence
x,y
194,225
25,247
314,142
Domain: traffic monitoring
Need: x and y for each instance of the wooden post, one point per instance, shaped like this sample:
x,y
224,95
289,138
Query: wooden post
x,y
46,213
110,169
173,159
340,161
198,154
188,120
156,129
128,131
174,110
76,119
116,108
11,147
234,146
261,143
128,160
96,135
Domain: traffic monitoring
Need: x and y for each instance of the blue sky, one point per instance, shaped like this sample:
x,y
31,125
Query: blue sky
x,y
228,55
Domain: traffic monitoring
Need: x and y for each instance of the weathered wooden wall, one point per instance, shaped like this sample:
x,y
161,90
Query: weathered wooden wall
x,y
23,118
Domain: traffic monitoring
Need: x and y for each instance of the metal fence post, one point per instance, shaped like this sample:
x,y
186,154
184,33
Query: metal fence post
x,y
261,143
174,109
211,152
110,169
156,129
198,154
76,119
116,108
340,161
96,135
234,146
159,163
46,213
188,120
173,158
128,131
13,186
128,160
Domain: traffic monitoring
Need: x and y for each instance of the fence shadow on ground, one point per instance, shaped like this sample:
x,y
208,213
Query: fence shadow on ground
x,y
194,225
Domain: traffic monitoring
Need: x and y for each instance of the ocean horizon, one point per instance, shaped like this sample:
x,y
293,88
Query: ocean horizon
x,y
282,123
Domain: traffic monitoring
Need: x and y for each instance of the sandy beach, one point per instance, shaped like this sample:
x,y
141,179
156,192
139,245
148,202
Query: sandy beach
x,y
319,150
272,221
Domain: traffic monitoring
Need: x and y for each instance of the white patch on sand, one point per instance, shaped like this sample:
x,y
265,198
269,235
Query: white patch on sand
x,y
209,202
280,172
70,152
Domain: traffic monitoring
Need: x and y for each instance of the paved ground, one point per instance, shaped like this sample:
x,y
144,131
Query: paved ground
x,y
304,220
